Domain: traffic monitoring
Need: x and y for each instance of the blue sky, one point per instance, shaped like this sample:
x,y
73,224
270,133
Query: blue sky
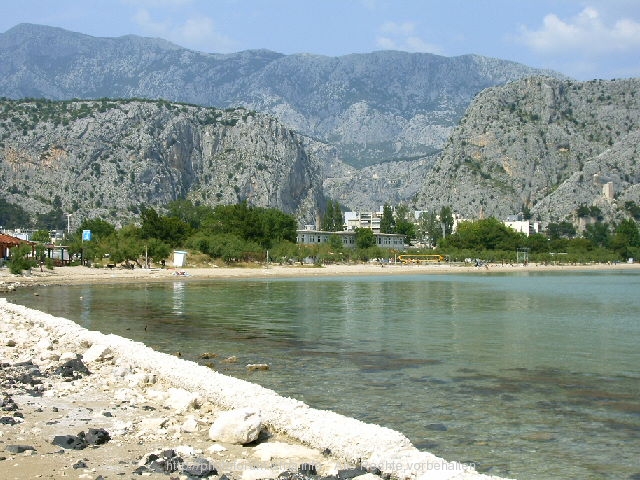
x,y
582,39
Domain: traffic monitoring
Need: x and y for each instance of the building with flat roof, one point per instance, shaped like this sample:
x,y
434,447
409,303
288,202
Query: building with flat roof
x,y
391,241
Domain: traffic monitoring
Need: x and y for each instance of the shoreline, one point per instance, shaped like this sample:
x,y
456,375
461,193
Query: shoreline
x,y
150,401
88,275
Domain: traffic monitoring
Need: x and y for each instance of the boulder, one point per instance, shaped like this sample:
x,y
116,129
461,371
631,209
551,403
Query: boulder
x,y
240,426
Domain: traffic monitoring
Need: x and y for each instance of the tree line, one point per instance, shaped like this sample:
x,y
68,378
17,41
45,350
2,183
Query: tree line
x,y
244,233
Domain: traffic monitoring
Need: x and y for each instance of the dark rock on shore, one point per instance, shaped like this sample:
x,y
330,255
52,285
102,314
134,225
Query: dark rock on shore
x,y
23,376
73,368
8,421
94,436
351,473
198,467
18,448
73,442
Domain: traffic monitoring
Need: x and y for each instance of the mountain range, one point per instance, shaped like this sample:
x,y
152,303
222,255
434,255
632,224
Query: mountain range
x,y
486,136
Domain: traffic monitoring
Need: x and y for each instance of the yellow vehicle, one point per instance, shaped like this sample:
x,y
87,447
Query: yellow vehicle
x,y
421,258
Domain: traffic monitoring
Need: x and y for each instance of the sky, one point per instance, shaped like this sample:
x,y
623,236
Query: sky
x,y
583,39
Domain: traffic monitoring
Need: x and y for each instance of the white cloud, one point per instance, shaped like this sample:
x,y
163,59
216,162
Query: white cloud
x,y
401,29
402,36
198,33
586,34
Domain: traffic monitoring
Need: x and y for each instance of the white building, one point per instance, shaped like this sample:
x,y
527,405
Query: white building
x,y
517,223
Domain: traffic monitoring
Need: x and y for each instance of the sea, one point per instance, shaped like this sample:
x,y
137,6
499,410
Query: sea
x,y
530,375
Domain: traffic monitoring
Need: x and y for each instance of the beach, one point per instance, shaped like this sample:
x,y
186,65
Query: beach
x,y
80,275
150,402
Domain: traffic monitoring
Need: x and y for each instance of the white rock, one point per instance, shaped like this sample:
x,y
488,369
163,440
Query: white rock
x,y
152,424
49,356
125,395
367,476
44,344
259,474
180,399
238,426
185,451
216,448
190,425
138,379
120,428
271,450
97,353
66,356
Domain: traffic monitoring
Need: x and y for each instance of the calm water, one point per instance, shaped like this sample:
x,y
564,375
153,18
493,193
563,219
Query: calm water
x,y
527,375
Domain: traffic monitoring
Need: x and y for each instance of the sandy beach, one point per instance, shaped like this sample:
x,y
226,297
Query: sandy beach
x,y
149,402
84,275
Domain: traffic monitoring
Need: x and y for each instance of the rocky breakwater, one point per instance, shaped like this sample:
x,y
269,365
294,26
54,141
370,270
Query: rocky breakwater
x,y
83,404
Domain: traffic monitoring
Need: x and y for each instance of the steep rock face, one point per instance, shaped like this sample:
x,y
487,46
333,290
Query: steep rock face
x,y
373,107
537,143
110,158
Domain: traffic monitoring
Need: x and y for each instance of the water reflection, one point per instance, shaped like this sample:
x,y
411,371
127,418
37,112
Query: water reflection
x,y
178,298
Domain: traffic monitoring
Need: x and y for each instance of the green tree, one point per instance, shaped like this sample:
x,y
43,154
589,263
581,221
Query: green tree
x,y
335,242
626,239
404,223
100,229
561,230
430,228
446,219
633,209
537,243
486,234
170,230
189,212
387,222
263,226
597,233
41,236
13,216
365,238
20,259
332,220
157,250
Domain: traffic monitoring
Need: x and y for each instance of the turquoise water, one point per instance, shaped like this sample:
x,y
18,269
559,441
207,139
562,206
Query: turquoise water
x,y
528,375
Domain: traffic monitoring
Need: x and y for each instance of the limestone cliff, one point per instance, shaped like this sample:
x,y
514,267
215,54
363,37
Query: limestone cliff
x,y
110,158
543,144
